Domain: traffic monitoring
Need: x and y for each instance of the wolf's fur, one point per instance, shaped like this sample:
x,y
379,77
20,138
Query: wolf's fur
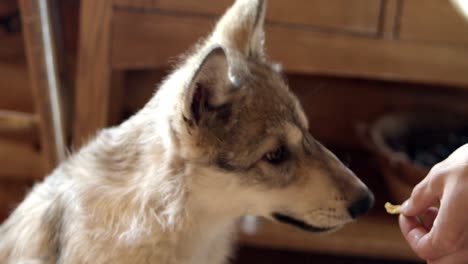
x,y
168,185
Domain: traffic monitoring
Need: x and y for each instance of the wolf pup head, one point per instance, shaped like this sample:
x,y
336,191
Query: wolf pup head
x,y
243,137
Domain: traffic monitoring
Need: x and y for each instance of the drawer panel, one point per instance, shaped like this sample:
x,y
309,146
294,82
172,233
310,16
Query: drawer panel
x,y
146,40
357,16
434,21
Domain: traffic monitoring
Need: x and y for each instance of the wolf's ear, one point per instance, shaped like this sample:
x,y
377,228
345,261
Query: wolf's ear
x,y
209,89
241,28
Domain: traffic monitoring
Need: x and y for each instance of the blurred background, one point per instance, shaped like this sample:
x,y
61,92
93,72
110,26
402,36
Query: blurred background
x,y
384,84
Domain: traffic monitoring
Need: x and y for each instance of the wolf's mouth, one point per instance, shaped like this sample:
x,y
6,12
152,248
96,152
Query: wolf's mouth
x,y
299,223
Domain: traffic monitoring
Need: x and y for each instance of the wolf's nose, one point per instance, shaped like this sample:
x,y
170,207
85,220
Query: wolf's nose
x,y
362,205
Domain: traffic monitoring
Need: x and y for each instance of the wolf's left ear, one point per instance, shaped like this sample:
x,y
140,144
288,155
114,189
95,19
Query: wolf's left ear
x,y
241,28
209,90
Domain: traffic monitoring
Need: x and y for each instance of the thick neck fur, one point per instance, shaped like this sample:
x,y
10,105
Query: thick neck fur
x,y
136,185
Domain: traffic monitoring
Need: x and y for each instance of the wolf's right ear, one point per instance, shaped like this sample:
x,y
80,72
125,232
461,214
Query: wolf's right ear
x,y
241,28
209,88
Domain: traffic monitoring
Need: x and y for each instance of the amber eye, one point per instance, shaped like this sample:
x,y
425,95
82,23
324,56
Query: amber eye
x,y
279,155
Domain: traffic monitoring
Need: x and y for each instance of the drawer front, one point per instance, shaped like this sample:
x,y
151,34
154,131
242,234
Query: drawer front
x,y
357,16
147,40
434,21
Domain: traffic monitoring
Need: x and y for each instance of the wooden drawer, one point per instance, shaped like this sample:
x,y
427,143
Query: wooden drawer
x,y
357,16
435,21
148,40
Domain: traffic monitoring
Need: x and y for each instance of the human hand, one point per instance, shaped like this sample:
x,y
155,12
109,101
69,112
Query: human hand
x,y
440,236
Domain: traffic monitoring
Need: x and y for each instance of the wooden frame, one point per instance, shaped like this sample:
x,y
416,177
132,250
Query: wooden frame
x,y
18,125
45,81
93,79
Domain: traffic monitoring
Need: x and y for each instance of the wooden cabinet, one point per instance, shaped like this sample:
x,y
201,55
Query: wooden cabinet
x,y
436,22
182,23
357,16
392,40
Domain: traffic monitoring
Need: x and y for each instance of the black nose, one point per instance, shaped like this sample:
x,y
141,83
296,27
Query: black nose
x,y
362,205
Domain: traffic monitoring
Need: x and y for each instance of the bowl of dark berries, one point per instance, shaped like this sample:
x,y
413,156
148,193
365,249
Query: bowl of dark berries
x,y
407,145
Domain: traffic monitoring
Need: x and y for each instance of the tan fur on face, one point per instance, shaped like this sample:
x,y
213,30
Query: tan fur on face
x,y
168,185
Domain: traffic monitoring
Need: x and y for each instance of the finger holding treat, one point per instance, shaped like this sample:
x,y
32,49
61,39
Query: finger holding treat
x,y
435,217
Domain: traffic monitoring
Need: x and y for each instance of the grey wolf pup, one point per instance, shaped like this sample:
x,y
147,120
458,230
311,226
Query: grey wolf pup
x,y
222,138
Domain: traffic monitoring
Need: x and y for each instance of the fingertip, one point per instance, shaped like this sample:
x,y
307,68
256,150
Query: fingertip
x,y
421,198
408,208
404,207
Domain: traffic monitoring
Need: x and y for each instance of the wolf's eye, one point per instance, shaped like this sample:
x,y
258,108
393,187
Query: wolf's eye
x,y
277,156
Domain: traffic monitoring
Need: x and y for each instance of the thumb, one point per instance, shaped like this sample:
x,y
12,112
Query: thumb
x,y
424,195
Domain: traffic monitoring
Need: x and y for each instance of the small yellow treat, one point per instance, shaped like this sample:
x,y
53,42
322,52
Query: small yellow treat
x,y
392,209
